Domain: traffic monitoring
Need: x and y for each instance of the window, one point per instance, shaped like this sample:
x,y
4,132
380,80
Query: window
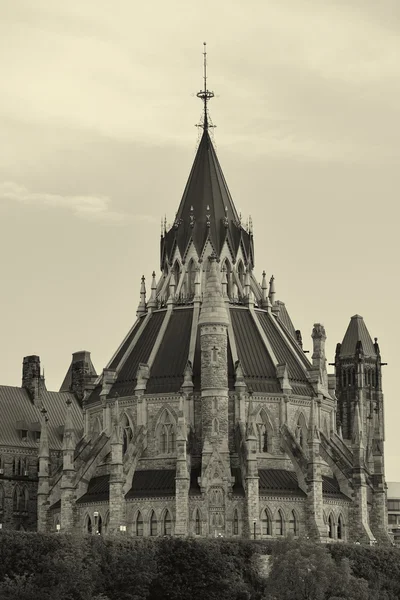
x,y
240,272
139,525
24,435
166,434
197,528
167,525
88,525
393,505
1,498
330,527
127,433
340,528
16,499
279,523
293,524
37,436
215,426
265,524
106,523
153,524
263,437
26,498
99,525
301,431
392,519
176,274
191,274
235,523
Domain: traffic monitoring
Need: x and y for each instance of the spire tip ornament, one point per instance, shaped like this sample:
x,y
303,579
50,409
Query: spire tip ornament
x,y
205,95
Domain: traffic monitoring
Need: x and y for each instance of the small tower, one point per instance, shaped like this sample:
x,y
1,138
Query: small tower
x,y
117,501
43,485
182,478
316,523
216,480
252,477
68,473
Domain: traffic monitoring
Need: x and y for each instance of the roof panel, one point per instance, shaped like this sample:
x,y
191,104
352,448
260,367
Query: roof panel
x,y
357,331
126,380
170,362
125,345
279,481
98,490
152,484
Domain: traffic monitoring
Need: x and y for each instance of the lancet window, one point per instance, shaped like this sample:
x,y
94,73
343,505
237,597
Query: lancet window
x,y
279,523
293,526
139,525
167,523
166,434
197,523
153,524
127,433
265,524
235,523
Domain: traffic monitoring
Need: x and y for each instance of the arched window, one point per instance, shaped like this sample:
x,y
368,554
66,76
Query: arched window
x,y
293,524
1,497
191,275
99,525
88,527
106,523
265,524
167,523
264,432
340,528
197,523
96,429
25,499
14,466
166,434
17,499
240,272
373,378
228,270
127,433
330,527
279,523
153,523
175,273
139,525
235,523
57,524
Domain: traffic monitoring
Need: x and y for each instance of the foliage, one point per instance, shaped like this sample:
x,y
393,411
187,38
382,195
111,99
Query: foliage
x,y
64,567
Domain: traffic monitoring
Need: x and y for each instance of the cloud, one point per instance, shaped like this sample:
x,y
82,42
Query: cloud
x,y
92,208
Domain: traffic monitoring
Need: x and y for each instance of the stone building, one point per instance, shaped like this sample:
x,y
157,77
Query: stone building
x,y
209,419
23,411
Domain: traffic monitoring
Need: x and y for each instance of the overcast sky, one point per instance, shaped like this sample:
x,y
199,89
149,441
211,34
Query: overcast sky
x,y
97,112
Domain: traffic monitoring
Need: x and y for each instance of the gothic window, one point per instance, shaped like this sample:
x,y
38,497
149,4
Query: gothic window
x,y
106,523
99,525
197,526
301,431
330,527
167,523
1,498
214,355
127,433
25,497
139,525
215,426
235,523
279,523
240,272
265,524
176,274
293,524
263,437
16,498
14,466
373,378
57,524
353,376
153,524
340,528
1,465
96,427
191,274
88,527
344,373
166,434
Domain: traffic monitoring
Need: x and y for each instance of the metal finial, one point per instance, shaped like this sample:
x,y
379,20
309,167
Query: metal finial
x,y
205,95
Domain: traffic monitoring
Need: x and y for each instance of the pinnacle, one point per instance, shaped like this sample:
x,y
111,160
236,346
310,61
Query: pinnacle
x,y
213,309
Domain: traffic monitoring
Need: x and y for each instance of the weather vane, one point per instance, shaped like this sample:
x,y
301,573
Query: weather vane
x,y
205,95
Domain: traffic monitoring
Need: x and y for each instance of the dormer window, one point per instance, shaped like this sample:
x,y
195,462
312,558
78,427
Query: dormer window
x,y
24,435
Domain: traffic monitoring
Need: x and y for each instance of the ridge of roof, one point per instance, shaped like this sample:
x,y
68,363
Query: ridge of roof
x,y
357,332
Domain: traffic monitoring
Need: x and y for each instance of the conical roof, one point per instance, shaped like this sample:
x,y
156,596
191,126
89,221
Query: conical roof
x,y
206,210
357,332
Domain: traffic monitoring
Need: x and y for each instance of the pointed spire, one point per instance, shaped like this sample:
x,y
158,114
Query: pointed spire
x,y
264,286
205,95
142,304
152,303
271,294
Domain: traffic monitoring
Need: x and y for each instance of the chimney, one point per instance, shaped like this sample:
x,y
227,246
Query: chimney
x,y
81,373
31,379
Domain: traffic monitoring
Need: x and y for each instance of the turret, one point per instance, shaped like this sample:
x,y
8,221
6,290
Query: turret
x,y
68,472
43,485
116,502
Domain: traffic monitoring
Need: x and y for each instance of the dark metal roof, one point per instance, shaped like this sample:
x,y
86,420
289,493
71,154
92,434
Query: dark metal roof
x,y
125,345
15,405
273,481
258,368
152,484
281,349
126,380
167,371
206,193
285,319
357,331
98,490
330,487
